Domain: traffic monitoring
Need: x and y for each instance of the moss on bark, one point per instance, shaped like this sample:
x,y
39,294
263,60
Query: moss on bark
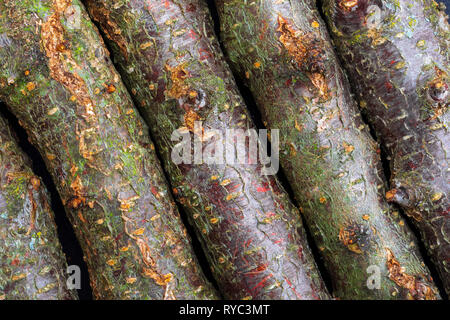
x,y
56,77
169,58
397,58
282,51
32,264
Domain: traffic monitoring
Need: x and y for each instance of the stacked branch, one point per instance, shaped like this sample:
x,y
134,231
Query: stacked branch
x,y
56,77
32,265
282,52
252,234
396,54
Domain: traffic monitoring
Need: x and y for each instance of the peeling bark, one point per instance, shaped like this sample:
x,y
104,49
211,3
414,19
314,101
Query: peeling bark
x,y
251,232
396,54
56,77
282,52
32,264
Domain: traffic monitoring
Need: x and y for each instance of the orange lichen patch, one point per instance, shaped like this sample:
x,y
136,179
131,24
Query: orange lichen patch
x,y
31,86
306,53
145,45
155,217
81,217
225,182
87,151
150,269
293,41
78,191
348,147
390,195
178,87
60,61
52,111
189,119
319,81
112,31
323,200
35,182
139,232
439,80
131,280
366,217
376,36
438,89
110,88
75,203
348,237
111,262
298,126
73,170
46,288
348,4
417,289
293,150
315,24
61,5
232,196
437,196
214,220
126,204
18,277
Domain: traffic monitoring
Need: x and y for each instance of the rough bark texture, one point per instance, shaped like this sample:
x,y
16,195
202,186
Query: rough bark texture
x,y
396,54
32,264
282,52
57,79
171,62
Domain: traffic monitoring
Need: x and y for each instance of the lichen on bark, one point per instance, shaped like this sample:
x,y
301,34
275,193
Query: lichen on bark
x,y
282,52
58,80
32,264
397,58
250,231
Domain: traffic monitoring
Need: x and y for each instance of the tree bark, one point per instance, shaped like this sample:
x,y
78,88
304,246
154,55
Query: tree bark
x,y
252,234
396,54
32,265
57,79
282,52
